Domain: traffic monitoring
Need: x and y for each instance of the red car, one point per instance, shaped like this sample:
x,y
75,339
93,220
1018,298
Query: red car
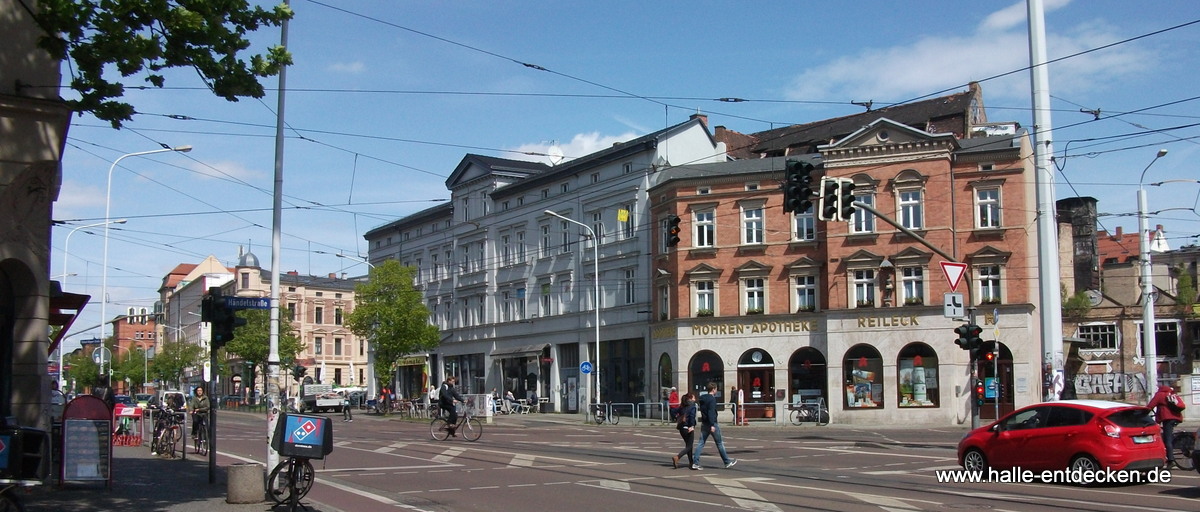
x,y
1068,434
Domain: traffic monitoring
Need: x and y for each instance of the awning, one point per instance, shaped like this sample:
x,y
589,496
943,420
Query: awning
x,y
64,309
522,351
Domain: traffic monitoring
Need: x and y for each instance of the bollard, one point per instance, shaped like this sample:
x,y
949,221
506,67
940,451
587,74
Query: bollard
x,y
245,484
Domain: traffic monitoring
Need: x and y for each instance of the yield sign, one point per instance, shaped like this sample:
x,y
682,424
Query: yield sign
x,y
954,272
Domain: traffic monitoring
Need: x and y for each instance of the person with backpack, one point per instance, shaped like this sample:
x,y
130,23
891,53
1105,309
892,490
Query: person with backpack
x,y
1167,407
686,425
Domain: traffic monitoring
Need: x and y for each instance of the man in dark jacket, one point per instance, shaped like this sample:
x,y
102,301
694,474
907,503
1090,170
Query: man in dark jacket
x,y
709,427
447,397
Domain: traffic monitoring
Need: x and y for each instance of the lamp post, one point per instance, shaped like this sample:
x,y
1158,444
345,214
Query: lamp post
x,y
1150,350
107,221
66,253
596,287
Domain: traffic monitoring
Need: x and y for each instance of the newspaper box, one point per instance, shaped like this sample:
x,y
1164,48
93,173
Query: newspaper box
x,y
24,453
299,435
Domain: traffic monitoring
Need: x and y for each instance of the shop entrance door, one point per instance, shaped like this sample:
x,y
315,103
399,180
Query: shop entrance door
x,y
758,390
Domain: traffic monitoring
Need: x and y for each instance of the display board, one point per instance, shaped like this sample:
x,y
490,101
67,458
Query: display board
x,y
86,450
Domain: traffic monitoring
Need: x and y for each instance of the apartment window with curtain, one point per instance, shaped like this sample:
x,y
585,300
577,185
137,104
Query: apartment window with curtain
x,y
337,346
989,284
705,298
664,302
804,226
318,345
706,229
520,252
910,209
338,316
755,294
864,288
520,304
806,293
480,255
505,250
629,226
505,307
912,285
863,221
752,226
319,315
544,248
598,227
544,299
630,287
987,207
436,266
565,238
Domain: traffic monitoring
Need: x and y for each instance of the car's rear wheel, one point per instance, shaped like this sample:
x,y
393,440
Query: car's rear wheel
x,y
1084,463
975,461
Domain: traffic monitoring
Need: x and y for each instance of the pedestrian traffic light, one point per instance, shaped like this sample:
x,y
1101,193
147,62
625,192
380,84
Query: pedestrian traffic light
x,y
845,200
828,207
797,187
673,230
979,392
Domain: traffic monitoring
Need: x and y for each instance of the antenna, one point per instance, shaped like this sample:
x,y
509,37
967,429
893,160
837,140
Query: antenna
x,y
555,153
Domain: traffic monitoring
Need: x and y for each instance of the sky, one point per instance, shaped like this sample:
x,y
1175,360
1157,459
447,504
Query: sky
x,y
386,97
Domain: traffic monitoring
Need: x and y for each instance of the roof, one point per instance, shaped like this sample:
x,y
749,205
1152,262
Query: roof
x,y
922,115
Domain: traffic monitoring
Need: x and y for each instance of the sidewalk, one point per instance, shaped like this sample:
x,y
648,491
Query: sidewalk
x,y
142,482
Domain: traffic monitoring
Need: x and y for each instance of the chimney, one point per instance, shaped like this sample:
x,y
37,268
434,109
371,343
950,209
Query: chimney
x,y
1118,235
333,275
703,119
343,275
293,273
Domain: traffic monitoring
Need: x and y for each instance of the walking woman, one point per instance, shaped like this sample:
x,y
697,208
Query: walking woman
x,y
686,423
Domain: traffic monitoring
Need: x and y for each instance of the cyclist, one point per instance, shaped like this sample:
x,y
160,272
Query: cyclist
x,y
199,406
447,397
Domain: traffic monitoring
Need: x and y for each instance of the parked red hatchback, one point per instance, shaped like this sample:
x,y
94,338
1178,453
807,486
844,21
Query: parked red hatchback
x,y
1069,434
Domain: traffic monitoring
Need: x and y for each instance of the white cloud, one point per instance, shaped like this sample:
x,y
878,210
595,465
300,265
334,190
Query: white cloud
x,y
582,144
75,197
999,45
226,169
356,67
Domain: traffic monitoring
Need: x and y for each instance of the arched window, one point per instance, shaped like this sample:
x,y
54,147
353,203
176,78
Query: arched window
x,y
917,376
863,378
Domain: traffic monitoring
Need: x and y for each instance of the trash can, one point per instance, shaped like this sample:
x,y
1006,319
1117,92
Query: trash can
x,y
245,484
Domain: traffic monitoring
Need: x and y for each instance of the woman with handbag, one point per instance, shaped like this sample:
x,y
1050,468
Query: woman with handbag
x,y
686,424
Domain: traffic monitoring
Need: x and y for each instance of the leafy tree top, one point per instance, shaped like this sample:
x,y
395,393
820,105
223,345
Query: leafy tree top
x,y
146,37
392,313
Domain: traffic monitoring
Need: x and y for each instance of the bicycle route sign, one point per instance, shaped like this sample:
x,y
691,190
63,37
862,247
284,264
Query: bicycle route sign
x,y
585,367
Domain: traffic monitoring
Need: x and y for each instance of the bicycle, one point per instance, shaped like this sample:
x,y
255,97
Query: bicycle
x,y
168,431
1183,442
814,411
10,500
604,412
291,480
200,434
468,426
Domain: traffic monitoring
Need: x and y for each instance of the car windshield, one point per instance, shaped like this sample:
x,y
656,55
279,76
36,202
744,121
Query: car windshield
x,y
1133,417
123,399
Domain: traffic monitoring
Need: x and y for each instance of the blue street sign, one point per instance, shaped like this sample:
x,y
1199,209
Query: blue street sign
x,y
248,302
585,367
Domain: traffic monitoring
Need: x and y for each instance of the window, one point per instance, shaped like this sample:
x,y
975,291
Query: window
x,y
987,202
564,294
436,267
1101,336
864,288
504,206
806,293
337,316
703,191
706,229
291,311
319,315
544,299
595,177
804,226
863,376
629,221
751,186
464,258
1166,339
480,310
505,250
912,280
630,286
598,227
564,242
520,304
245,279
863,220
989,284
910,209
545,193
917,367
755,295
337,346
318,345
664,302
752,226
480,253
544,248
520,252
563,188
627,167
705,298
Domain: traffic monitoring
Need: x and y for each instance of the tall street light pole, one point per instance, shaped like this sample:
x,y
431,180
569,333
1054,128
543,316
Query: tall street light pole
x,y
62,381
596,290
107,221
1150,349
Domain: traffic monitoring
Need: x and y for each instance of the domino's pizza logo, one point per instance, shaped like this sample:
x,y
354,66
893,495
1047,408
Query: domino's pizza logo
x,y
304,430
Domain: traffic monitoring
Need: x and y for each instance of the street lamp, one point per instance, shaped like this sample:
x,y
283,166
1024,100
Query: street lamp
x,y
62,381
596,286
1150,349
107,221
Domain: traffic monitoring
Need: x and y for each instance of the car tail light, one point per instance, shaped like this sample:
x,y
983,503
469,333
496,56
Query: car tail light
x,y
1110,429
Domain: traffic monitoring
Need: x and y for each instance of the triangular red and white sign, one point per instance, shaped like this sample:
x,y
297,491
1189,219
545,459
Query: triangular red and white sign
x,y
954,272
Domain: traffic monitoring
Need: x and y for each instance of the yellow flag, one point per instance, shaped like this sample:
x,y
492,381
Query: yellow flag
x,y
623,215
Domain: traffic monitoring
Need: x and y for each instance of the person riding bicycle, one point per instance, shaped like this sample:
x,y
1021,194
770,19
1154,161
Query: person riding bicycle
x,y
200,406
447,397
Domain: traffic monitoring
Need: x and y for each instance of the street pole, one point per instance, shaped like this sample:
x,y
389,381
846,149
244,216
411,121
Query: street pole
x,y
1150,348
596,303
273,403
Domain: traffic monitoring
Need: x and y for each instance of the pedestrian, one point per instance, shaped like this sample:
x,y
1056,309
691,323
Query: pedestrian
x,y
673,402
707,405
104,392
347,416
1167,408
686,424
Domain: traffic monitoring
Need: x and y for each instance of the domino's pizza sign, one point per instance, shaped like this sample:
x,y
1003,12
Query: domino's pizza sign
x,y
5,442
298,435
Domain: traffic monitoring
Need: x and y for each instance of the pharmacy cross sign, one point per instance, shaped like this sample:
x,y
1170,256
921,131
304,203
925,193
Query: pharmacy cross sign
x,y
954,272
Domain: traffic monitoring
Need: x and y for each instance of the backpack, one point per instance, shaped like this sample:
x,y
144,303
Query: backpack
x,y
1175,404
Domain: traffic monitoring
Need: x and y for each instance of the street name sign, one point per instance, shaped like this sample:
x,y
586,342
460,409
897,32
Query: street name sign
x,y
248,302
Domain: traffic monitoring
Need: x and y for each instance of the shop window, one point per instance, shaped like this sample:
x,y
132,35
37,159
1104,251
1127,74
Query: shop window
x,y
863,378
917,373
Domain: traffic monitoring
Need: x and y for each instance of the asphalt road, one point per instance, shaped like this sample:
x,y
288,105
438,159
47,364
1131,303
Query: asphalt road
x,y
553,462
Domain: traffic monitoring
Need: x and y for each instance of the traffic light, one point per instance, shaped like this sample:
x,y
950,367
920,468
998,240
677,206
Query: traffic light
x,y
828,207
979,392
673,230
298,372
987,351
963,340
797,187
845,199
222,331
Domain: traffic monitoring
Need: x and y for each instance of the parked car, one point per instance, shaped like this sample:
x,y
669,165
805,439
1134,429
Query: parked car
x,y
123,400
1068,434
142,399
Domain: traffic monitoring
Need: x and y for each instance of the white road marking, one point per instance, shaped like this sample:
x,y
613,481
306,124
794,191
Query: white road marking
x,y
744,497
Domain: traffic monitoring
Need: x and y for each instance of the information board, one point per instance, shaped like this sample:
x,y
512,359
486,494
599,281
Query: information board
x,y
86,452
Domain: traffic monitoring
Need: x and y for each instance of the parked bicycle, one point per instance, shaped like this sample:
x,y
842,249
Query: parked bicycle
x,y
291,480
812,411
1184,442
10,500
605,413
468,427
168,431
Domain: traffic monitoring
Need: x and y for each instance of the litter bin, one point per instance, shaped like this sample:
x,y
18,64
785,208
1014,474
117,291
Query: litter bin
x,y
245,484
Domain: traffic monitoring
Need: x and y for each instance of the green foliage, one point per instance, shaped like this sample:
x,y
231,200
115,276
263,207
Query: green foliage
x,y
1077,306
392,314
129,364
252,342
142,37
83,371
172,358
1186,296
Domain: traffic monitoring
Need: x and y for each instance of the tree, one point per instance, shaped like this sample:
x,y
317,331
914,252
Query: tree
x,y
83,372
252,342
138,37
130,364
173,358
1185,299
392,314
